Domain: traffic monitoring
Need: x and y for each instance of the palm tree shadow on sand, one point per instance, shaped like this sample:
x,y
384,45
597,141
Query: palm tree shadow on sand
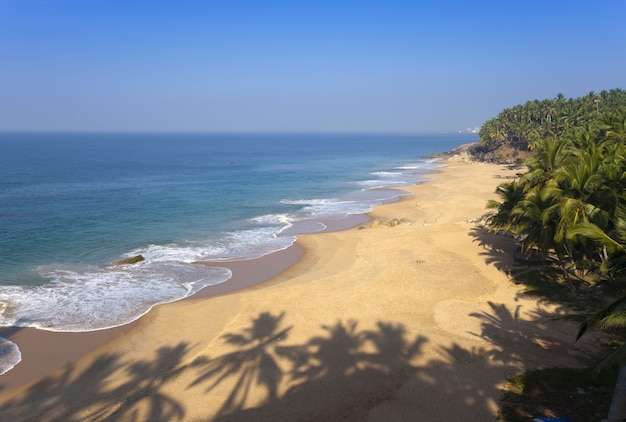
x,y
252,363
336,375
539,275
517,341
341,373
88,395
352,374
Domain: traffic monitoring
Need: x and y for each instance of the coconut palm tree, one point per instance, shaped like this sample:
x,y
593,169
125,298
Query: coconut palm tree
x,y
510,193
534,216
550,155
614,125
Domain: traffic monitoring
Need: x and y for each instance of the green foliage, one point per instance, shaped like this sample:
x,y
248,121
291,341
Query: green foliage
x,y
529,123
570,207
571,202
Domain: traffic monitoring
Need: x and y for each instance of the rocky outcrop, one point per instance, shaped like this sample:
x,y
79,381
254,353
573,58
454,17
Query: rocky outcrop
x,y
132,260
505,153
391,223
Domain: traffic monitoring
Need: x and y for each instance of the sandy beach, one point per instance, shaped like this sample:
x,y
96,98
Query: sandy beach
x,y
408,316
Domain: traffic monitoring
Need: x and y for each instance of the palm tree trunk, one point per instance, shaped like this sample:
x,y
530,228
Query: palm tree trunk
x,y
617,411
566,274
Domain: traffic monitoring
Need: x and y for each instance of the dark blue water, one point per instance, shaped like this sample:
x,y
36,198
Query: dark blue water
x,y
72,204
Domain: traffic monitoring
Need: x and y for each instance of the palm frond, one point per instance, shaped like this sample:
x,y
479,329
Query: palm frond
x,y
613,320
596,234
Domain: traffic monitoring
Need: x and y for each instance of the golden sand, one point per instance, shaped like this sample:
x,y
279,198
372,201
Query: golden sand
x,y
413,320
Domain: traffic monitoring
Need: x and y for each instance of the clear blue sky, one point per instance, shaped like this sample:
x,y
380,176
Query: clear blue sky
x,y
265,65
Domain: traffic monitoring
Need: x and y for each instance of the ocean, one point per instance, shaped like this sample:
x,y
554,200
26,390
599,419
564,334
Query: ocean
x,y
73,204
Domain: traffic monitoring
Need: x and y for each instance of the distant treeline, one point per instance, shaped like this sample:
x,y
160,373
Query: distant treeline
x,y
522,126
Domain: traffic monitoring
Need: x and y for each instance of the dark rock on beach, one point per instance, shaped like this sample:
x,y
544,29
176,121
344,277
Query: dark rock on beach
x,y
505,153
132,260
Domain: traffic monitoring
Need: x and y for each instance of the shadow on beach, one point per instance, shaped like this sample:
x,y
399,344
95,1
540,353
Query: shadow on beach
x,y
342,373
540,276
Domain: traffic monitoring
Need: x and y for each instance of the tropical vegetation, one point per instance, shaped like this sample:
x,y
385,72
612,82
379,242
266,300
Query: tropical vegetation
x,y
515,131
569,207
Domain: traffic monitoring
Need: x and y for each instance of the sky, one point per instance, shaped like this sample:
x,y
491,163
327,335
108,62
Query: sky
x,y
297,66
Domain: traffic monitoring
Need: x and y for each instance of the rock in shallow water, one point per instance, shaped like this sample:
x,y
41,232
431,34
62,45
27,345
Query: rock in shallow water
x,y
132,260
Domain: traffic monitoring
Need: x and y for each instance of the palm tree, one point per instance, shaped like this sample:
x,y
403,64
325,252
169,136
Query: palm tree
x,y
572,200
534,216
549,156
511,194
615,125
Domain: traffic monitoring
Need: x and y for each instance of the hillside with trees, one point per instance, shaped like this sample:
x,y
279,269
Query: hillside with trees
x,y
568,209
513,134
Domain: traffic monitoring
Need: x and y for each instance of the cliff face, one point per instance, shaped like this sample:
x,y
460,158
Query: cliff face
x,y
504,153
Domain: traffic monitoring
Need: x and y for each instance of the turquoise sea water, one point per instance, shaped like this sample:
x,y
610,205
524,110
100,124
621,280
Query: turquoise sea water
x,y
71,204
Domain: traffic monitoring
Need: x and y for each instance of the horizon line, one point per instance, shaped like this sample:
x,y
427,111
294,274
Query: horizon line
x,y
236,132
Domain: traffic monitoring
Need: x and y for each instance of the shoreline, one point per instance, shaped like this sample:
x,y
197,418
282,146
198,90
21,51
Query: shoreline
x,y
65,347
62,348
432,282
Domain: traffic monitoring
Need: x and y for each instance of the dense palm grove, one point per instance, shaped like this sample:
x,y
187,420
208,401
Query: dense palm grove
x,y
569,207
526,124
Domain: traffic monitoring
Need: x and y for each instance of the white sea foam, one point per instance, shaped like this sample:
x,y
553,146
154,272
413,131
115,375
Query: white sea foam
x,y
387,174
273,219
361,202
312,202
377,183
411,176
328,208
88,298
248,244
85,298
92,298
241,244
10,355
424,165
